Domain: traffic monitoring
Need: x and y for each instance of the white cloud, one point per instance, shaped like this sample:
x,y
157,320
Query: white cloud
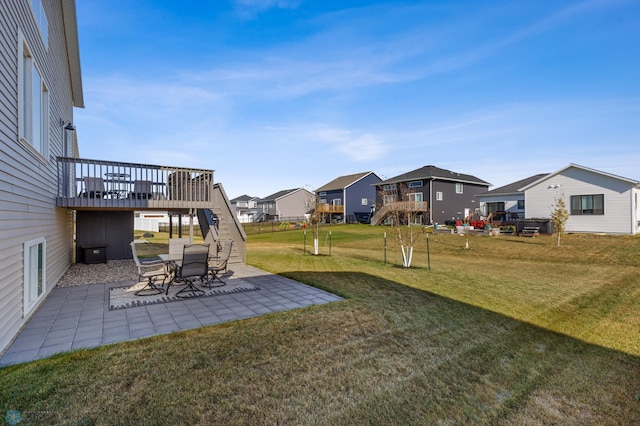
x,y
249,8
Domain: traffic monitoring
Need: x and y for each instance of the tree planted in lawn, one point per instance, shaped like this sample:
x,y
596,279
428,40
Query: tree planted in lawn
x,y
403,212
559,215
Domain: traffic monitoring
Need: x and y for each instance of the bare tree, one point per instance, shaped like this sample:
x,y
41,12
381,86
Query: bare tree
x,y
316,215
559,215
403,212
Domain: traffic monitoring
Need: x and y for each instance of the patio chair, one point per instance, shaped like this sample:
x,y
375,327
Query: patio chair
x,y
149,271
176,247
93,187
219,265
194,267
142,190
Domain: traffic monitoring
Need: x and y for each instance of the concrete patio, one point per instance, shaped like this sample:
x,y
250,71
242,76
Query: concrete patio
x,y
79,316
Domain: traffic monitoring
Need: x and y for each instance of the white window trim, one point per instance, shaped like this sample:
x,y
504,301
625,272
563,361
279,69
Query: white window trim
x,y
336,202
25,100
459,188
415,184
30,303
439,196
414,194
365,201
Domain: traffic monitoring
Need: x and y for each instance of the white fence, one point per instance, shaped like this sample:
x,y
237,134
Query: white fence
x,y
142,224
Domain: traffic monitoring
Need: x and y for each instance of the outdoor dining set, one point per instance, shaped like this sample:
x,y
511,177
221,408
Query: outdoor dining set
x,y
195,267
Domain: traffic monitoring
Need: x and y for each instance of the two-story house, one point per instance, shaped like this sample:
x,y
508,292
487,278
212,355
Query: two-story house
x,y
40,85
434,195
246,207
347,196
288,204
43,183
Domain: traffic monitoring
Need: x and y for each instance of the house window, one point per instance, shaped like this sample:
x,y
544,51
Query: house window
x,y
520,204
365,201
34,272
459,188
587,204
495,207
322,194
415,184
389,187
41,20
387,199
336,202
416,219
415,197
34,102
438,196
323,201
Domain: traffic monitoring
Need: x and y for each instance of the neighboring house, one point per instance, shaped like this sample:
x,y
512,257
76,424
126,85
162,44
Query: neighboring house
x,y
435,195
506,202
246,208
347,195
43,183
597,201
289,204
40,85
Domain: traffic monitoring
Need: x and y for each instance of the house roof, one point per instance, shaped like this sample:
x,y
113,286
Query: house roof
x,y
343,181
279,194
243,198
577,166
73,51
433,172
513,188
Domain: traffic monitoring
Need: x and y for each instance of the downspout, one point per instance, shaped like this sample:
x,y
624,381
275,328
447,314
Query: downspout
x,y
344,213
431,201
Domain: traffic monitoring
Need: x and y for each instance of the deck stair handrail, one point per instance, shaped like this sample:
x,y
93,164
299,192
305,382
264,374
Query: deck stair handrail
x,y
398,206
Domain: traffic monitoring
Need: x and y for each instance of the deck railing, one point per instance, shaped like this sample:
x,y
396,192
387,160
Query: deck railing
x,y
84,183
330,208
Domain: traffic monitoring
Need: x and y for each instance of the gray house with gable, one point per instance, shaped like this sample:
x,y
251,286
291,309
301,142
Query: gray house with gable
x,y
435,195
347,195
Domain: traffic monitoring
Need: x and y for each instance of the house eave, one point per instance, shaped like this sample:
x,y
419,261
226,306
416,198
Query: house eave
x,y
73,51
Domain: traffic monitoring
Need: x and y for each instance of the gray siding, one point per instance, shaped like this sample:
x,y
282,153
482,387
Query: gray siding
x,y
294,204
27,180
453,205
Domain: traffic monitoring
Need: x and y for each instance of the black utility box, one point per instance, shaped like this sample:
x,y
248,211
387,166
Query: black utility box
x,y
95,254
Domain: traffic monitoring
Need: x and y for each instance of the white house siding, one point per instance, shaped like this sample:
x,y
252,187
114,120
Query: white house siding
x,y
635,200
27,180
539,200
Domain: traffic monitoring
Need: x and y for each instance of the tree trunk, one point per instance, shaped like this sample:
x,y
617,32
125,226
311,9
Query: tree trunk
x,y
407,255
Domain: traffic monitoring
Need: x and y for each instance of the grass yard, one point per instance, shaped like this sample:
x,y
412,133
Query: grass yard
x,y
511,331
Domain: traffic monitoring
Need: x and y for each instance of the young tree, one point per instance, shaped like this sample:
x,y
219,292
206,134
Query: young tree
x,y
316,215
559,215
402,212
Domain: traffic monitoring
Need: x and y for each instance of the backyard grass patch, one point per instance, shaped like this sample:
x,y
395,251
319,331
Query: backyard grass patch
x,y
510,331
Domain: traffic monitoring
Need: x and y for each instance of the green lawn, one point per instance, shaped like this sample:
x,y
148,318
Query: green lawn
x,y
511,331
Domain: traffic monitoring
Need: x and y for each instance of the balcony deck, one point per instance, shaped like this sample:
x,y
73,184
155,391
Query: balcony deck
x,y
330,208
103,185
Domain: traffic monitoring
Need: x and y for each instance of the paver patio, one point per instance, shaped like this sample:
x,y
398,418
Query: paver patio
x,y
79,316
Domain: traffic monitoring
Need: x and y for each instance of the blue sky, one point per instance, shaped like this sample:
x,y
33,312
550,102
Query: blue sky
x,y
276,94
